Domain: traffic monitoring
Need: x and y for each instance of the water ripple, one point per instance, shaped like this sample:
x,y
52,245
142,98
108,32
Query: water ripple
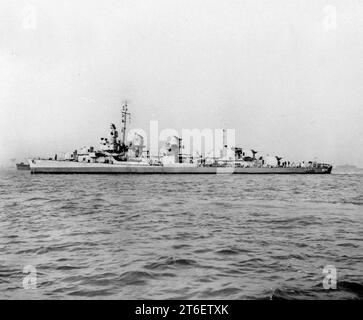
x,y
170,237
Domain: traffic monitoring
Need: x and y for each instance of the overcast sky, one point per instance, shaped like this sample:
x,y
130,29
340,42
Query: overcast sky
x,y
287,75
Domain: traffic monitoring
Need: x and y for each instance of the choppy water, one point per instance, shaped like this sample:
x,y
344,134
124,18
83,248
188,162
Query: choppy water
x,y
182,236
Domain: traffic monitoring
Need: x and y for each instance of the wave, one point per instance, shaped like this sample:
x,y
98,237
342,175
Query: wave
x,y
135,278
232,251
352,287
165,262
344,290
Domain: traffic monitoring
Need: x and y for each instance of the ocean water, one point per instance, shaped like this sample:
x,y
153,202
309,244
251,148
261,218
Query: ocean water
x,y
180,236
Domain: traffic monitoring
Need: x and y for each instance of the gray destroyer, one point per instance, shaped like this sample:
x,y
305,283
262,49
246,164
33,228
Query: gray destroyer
x,y
116,156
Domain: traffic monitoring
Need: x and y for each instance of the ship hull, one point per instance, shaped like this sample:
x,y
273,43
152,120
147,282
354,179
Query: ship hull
x,y
68,167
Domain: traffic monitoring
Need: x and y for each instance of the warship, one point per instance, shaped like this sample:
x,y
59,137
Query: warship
x,y
117,156
22,166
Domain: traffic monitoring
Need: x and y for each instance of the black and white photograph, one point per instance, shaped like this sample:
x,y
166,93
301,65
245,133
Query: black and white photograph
x,y
181,150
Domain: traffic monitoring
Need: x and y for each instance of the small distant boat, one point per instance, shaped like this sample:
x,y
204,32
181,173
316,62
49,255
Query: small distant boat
x,y
22,166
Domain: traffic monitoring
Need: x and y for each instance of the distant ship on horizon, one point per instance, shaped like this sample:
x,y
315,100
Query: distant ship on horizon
x,y
118,156
22,166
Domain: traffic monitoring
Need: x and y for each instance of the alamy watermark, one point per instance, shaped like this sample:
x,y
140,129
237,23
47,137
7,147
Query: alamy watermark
x,y
196,142
30,20
329,21
330,279
30,280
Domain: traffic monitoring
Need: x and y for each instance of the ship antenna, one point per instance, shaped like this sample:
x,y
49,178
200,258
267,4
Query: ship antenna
x,y
124,115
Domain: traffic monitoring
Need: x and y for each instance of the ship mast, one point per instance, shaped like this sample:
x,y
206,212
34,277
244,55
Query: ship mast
x,y
124,115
